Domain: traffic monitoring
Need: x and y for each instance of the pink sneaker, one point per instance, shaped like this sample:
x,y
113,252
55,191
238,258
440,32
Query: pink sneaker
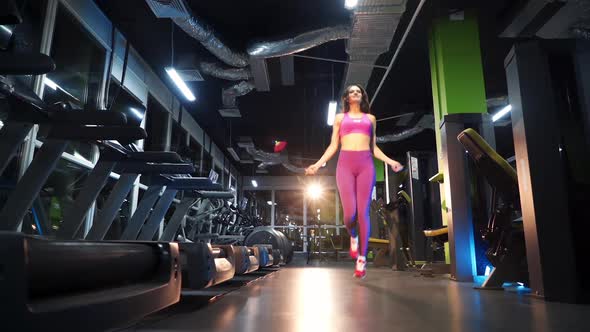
x,y
354,247
360,270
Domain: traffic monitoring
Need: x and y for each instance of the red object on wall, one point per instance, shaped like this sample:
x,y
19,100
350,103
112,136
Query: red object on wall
x,y
280,146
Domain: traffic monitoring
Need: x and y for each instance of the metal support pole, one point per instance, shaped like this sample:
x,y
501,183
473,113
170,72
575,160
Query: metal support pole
x,y
30,184
75,215
144,208
157,217
337,212
272,208
304,223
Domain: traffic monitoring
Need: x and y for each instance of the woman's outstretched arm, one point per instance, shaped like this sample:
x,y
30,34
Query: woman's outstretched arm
x,y
332,148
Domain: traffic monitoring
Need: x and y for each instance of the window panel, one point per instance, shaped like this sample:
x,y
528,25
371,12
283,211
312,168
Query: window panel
x,y
289,208
25,37
77,79
157,121
80,62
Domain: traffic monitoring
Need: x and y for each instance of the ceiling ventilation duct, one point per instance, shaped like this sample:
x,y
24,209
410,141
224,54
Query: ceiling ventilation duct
x,y
230,113
260,73
260,51
400,136
190,75
245,142
293,168
228,95
298,43
271,159
194,27
374,25
205,35
168,8
425,122
267,157
230,74
181,14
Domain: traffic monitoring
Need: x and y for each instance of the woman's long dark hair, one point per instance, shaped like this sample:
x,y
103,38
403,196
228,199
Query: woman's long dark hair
x,y
365,108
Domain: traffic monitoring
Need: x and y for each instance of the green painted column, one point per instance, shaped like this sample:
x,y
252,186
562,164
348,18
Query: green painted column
x,y
457,79
379,170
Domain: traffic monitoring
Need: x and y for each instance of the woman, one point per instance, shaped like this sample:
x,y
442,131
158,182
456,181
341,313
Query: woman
x,y
354,129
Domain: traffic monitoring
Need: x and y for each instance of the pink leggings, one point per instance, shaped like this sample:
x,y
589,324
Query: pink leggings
x,y
355,177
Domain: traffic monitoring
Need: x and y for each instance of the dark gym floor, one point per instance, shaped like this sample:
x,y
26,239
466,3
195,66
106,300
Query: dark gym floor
x,y
324,297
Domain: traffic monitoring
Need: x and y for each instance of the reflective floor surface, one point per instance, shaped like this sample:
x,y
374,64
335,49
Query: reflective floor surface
x,y
326,298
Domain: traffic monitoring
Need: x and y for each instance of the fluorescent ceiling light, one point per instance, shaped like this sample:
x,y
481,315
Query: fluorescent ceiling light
x,y
501,113
331,112
350,4
180,83
270,203
254,183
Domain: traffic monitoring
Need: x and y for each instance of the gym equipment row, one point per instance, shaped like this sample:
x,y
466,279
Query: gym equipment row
x,y
503,233
70,279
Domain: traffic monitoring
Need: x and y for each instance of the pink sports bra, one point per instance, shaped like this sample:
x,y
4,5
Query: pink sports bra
x,y
352,125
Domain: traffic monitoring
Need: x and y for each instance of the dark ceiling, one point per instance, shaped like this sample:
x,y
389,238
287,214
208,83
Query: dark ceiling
x,y
297,113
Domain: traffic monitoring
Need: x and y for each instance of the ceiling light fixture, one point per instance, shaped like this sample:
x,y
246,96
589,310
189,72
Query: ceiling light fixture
x,y
350,4
501,113
180,84
188,94
333,105
331,113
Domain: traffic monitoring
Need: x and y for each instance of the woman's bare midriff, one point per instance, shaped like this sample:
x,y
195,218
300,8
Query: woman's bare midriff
x,y
355,142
